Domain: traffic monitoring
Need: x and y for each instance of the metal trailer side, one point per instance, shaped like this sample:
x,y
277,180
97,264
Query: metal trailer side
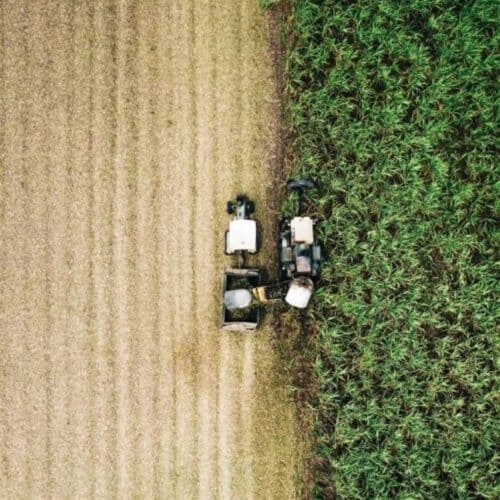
x,y
243,319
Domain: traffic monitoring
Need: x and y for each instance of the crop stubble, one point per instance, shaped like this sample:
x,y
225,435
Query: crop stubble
x,y
125,128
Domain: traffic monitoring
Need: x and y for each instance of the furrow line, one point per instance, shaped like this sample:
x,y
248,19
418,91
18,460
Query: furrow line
x,y
103,123
218,198
30,275
78,108
121,311
91,290
3,111
48,480
175,264
242,474
165,475
3,253
229,168
185,351
205,269
195,237
134,166
155,352
147,165
131,165
252,183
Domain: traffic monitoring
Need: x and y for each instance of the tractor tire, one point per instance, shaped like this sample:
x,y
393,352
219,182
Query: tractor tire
x,y
293,185
230,207
250,207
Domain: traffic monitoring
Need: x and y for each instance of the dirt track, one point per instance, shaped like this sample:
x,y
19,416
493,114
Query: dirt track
x,y
125,128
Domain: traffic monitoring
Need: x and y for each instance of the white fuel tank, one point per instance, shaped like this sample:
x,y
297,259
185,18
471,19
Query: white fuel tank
x,y
300,292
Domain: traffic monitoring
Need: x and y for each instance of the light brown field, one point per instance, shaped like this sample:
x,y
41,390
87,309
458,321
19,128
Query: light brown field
x,y
125,126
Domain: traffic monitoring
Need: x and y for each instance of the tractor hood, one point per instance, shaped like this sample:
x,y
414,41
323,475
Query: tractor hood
x,y
242,235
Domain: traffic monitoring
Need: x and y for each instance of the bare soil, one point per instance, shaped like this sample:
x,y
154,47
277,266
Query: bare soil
x,y
125,127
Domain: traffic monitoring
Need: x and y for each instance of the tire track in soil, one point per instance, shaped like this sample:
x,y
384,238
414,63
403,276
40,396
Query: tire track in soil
x,y
141,120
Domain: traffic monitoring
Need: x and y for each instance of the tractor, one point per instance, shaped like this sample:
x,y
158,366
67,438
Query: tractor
x,y
299,253
241,237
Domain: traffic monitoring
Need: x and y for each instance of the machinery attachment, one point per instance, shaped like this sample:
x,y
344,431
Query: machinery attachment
x,y
243,295
296,292
237,300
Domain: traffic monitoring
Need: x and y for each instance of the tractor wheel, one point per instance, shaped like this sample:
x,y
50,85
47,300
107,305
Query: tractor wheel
x,y
230,207
250,207
300,184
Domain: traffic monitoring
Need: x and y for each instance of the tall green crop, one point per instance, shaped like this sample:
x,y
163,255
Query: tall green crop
x,y
393,107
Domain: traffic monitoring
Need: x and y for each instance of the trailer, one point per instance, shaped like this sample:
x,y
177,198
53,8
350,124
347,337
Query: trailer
x,y
239,312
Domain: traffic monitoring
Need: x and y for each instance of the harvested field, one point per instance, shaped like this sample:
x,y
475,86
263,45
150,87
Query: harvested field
x,y
126,126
